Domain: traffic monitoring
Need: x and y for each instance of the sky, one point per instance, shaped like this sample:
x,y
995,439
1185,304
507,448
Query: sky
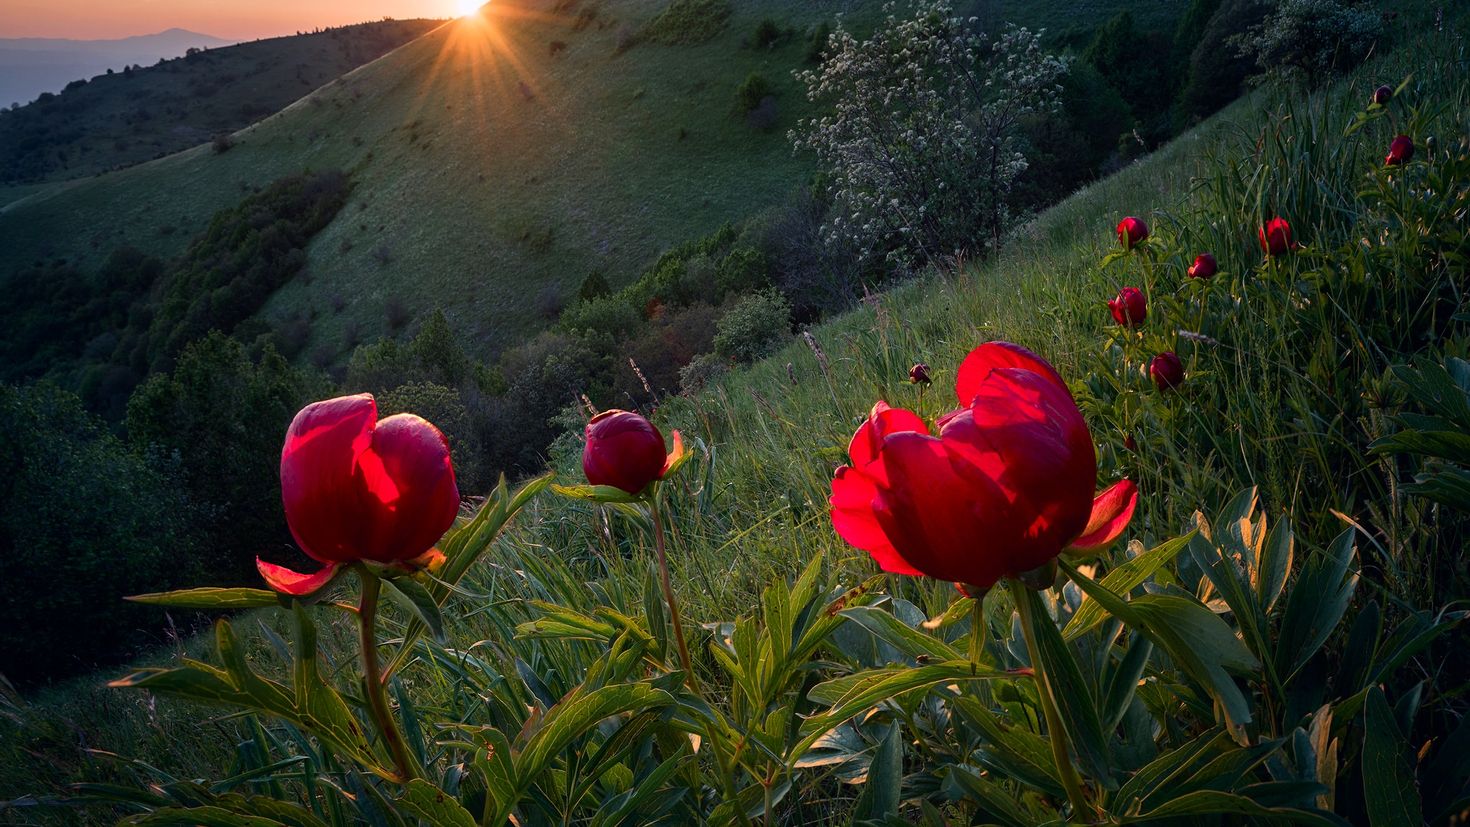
x,y
230,19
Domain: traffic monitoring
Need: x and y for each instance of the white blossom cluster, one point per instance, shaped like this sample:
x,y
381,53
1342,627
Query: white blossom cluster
x,y
921,145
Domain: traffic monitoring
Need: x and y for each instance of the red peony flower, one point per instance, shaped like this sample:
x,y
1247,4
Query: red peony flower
x,y
624,450
1400,151
356,489
1275,237
1204,266
919,374
1131,231
1130,308
1382,95
1005,487
1166,370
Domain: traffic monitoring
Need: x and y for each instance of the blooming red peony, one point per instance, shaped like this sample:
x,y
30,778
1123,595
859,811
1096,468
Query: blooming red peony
x,y
1275,237
1166,370
1204,267
1005,486
356,489
1130,307
1131,231
1400,151
624,450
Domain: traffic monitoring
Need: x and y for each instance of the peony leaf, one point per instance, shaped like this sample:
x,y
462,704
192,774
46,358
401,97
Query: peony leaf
x,y
210,598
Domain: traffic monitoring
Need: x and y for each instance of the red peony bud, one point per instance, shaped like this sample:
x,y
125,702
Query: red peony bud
x,y
1003,485
355,488
1130,443
1400,151
1204,267
919,374
1166,370
1131,231
624,450
1130,308
1275,237
1382,95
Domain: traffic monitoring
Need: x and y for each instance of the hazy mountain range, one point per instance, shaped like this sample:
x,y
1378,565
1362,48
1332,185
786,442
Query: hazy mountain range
x,y
32,65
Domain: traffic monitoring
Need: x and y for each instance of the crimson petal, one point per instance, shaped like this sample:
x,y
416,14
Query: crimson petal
x,y
294,583
1112,510
992,356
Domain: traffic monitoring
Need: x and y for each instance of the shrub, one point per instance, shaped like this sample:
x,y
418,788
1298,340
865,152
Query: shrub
x,y
751,91
767,34
83,522
395,313
610,315
702,372
1216,71
1313,39
817,41
222,142
661,350
754,327
687,22
742,270
924,144
593,286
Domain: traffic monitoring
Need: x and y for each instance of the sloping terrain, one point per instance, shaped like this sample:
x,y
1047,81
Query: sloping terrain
x,y
135,114
31,66
494,159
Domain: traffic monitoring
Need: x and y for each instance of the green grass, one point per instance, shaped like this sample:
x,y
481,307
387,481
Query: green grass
x,y
753,508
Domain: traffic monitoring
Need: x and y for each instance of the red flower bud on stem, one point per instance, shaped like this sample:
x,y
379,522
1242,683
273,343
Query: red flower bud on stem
x,y
1166,370
1204,267
1131,231
1130,307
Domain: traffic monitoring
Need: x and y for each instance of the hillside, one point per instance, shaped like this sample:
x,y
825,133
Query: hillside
x,y
137,113
30,66
489,166
1263,406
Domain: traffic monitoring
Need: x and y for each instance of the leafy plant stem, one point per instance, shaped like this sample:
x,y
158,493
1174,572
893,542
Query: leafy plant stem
x,y
655,510
373,677
977,631
1060,750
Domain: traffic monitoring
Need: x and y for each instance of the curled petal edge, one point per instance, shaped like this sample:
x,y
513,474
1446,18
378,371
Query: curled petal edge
x,y
1112,510
677,456
294,583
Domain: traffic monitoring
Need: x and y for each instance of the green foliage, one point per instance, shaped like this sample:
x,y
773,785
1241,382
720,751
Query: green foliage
x,y
751,91
1131,60
83,521
754,327
218,402
593,287
686,22
1314,38
767,33
1216,71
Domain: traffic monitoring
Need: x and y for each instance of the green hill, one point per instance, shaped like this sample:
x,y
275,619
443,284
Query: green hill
x,y
139,113
492,160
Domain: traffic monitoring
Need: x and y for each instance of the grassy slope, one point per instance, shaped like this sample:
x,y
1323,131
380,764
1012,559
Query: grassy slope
x,y
767,488
468,195
118,120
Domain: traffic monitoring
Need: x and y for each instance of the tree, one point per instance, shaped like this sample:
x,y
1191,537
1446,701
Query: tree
x,y
218,404
923,141
1312,39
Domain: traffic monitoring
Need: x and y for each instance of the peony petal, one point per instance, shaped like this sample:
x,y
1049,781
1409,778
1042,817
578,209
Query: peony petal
x,y
991,356
884,420
319,488
409,459
853,496
294,583
1112,510
676,455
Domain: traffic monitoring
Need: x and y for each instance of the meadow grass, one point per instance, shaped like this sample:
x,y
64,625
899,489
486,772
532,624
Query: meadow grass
x,y
752,509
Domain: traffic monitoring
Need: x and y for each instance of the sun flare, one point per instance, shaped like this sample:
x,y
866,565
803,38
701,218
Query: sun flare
x,y
468,8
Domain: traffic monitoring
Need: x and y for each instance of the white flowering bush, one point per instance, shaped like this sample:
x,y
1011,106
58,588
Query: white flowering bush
x,y
921,144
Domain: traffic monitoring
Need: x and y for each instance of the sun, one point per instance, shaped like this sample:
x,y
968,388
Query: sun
x,y
468,8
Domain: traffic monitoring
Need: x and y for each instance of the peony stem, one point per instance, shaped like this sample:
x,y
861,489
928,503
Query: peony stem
x,y
663,569
1060,751
373,678
977,631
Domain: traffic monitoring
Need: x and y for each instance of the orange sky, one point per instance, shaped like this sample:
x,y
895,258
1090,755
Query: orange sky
x,y
232,19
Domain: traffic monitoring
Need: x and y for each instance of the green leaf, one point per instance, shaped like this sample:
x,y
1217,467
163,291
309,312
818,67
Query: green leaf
x,y
575,715
1388,781
1196,638
411,595
849,695
1214,802
431,804
1317,601
1122,580
597,493
1073,696
883,788
210,598
995,800
198,817
900,635
1272,569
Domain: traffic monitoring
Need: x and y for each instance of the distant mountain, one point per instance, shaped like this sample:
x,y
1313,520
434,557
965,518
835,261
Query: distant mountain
x,y
32,65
